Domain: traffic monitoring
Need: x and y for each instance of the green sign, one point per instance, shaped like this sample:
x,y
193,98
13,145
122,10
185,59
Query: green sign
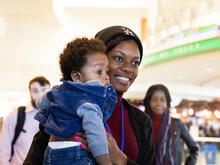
x,y
200,29
183,50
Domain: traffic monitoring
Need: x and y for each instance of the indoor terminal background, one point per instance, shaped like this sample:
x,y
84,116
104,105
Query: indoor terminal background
x,y
181,47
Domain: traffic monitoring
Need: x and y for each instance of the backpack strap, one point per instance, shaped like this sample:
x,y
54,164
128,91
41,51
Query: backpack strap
x,y
18,128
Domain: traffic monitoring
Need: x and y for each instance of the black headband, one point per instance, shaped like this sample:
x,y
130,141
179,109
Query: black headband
x,y
110,33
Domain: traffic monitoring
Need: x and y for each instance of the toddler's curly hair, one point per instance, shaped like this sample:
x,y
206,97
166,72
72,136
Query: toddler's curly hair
x,y
73,57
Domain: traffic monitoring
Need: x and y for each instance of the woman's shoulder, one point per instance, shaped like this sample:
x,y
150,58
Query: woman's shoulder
x,y
136,113
177,122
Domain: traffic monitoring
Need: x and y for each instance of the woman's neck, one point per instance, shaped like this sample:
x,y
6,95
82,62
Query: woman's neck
x,y
157,117
119,99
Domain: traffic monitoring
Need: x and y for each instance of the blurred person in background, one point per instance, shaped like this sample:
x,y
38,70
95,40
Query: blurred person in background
x,y
19,126
168,133
212,132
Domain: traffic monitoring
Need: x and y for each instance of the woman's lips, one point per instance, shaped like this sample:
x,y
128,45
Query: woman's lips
x,y
123,80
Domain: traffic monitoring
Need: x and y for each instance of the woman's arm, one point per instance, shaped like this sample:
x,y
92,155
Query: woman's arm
x,y
117,157
143,130
35,155
191,144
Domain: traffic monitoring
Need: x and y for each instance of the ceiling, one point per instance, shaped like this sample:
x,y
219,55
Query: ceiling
x,y
197,75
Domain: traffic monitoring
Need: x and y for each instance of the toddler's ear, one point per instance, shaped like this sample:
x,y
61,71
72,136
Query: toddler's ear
x,y
75,76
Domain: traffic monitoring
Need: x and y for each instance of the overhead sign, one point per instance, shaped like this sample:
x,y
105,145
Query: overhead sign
x,y
183,50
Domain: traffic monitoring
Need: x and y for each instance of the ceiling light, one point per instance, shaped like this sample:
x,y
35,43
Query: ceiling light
x,y
209,69
180,78
173,110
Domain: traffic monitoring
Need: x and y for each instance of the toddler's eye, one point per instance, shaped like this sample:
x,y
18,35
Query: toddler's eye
x,y
99,72
107,72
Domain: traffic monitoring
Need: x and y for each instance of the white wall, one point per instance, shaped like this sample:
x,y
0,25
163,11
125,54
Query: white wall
x,y
31,43
31,38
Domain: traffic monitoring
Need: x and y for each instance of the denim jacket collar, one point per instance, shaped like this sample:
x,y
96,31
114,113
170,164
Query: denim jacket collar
x,y
93,87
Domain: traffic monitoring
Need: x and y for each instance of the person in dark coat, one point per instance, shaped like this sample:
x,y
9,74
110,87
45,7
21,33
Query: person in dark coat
x,y
168,133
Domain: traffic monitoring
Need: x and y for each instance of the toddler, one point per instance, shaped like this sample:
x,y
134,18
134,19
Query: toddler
x,y
83,102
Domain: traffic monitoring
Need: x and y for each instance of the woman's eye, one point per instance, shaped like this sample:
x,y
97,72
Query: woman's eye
x,y
135,63
99,72
163,100
118,58
154,100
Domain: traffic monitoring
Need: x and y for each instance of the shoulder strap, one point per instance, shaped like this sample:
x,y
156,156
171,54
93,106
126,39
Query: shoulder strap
x,y
18,128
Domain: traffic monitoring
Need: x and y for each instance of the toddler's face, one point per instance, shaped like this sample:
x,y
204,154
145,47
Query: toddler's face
x,y
96,68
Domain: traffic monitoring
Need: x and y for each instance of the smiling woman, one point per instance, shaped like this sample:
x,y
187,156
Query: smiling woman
x,y
169,133
128,128
123,65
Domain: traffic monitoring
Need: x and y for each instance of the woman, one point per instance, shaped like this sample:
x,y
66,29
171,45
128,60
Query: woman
x,y
128,127
168,132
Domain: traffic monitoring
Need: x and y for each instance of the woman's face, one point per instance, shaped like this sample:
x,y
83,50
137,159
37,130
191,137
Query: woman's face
x,y
158,102
123,65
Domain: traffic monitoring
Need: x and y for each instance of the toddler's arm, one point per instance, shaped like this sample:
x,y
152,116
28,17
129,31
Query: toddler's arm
x,y
91,116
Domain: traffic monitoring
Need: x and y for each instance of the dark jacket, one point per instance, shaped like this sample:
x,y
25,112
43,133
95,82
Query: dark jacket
x,y
142,126
140,122
181,134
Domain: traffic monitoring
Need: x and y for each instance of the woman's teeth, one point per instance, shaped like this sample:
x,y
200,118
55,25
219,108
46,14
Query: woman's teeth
x,y
123,78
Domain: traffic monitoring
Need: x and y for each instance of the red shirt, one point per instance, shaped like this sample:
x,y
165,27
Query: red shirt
x,y
114,123
156,126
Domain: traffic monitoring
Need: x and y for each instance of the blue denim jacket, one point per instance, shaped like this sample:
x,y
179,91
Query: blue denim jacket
x,y
74,107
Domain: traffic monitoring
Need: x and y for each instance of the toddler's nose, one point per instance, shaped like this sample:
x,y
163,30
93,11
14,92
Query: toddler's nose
x,y
106,79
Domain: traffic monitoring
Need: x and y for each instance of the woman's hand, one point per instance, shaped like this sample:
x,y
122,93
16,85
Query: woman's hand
x,y
117,157
81,137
